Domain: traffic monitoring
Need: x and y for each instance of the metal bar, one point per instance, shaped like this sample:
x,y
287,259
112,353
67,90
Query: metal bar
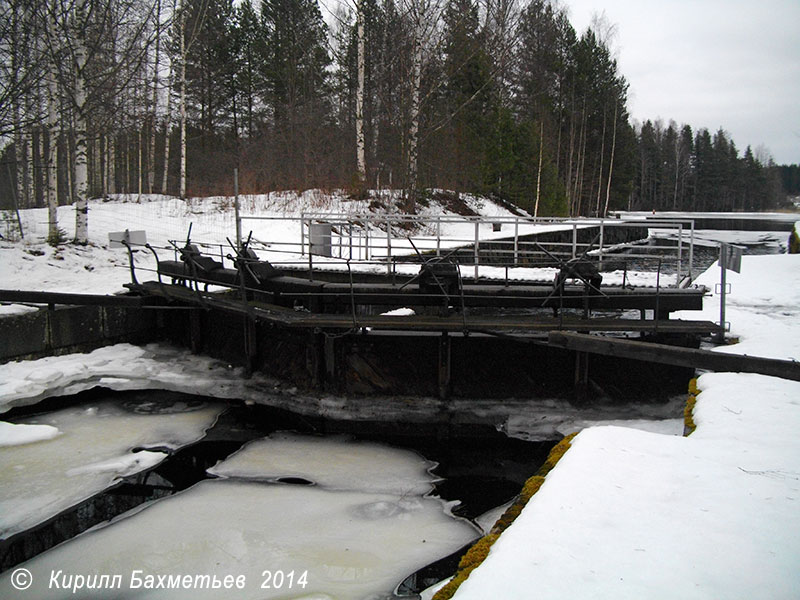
x,y
600,251
477,248
680,249
236,207
303,235
388,246
574,240
691,253
723,267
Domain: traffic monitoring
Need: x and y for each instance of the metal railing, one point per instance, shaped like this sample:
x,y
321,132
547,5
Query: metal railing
x,y
506,242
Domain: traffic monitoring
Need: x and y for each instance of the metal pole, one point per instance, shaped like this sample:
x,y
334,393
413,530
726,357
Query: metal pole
x,y
303,235
477,247
680,251
600,259
516,241
691,252
388,246
574,239
723,266
236,207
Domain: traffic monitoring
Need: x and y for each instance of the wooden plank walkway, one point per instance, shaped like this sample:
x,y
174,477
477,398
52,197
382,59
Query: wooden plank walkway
x,y
452,323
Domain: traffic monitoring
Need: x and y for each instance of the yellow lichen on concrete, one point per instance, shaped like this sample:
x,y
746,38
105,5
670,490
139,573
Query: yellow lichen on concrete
x,y
688,421
480,550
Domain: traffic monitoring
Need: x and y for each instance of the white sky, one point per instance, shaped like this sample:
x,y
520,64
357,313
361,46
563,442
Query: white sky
x,y
733,64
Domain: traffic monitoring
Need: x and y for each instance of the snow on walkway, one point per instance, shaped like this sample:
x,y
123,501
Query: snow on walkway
x,y
631,514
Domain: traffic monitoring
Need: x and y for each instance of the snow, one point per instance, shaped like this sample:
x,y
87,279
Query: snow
x,y
16,434
400,312
120,367
635,514
16,309
95,447
357,534
275,221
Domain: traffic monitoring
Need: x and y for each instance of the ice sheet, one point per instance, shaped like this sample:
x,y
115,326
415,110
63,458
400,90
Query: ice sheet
x,y
42,479
353,545
16,434
333,463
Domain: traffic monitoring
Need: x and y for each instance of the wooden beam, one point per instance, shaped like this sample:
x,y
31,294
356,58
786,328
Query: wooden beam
x,y
674,355
37,297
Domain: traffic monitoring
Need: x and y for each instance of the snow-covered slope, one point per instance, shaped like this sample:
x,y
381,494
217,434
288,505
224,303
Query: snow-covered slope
x,y
628,514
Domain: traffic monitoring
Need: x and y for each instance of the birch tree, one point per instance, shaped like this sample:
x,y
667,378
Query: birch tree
x,y
361,159
81,31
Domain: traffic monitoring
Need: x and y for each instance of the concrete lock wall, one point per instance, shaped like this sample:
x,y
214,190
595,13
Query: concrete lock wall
x,y
72,329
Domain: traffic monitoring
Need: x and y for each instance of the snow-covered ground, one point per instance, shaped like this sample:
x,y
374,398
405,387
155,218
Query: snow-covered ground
x,y
275,221
632,514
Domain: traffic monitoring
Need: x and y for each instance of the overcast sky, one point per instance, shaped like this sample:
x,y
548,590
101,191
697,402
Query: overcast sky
x,y
733,64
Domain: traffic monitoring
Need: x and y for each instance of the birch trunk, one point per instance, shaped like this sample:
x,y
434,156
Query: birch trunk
x,y
600,171
360,141
81,147
52,158
539,170
151,153
611,161
413,131
167,116
111,164
183,105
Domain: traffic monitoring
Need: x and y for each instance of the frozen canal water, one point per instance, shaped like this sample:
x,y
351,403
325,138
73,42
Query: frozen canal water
x,y
286,516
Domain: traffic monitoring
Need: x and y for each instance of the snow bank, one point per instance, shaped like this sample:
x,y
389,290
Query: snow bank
x,y
632,514
119,367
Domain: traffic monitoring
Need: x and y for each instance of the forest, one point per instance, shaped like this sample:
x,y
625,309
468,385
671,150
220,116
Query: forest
x,y
495,97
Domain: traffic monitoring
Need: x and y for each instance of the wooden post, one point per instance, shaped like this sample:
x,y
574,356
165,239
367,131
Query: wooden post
x,y
330,362
250,345
195,331
581,377
444,366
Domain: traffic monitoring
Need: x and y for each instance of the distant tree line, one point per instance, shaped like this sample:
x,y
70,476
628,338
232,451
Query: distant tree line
x,y
494,97
679,170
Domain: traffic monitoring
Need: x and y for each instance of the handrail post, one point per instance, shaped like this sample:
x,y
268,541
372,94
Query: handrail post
x,y
477,247
574,239
658,298
388,246
600,255
303,234
516,241
236,208
680,253
691,252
